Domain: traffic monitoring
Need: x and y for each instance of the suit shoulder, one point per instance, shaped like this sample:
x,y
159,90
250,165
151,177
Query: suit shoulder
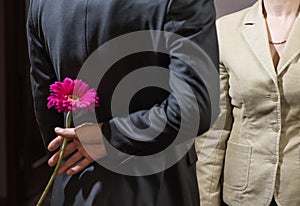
x,y
229,30
34,9
196,12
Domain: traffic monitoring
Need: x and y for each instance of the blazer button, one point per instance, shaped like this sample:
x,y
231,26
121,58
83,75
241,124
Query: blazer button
x,y
275,98
276,128
274,159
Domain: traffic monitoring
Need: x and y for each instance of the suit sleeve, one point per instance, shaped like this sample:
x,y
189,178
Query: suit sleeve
x,y
42,75
193,21
211,148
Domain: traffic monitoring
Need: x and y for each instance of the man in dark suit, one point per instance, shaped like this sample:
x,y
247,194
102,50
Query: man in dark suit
x,y
62,35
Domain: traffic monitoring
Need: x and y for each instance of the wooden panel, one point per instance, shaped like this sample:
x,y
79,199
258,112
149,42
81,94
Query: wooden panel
x,y
26,155
13,59
3,202
3,171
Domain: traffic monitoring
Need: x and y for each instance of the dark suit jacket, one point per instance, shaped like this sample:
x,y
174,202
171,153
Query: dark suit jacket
x,y
62,34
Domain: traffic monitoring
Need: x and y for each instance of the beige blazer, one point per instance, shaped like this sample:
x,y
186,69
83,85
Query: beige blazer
x,y
252,152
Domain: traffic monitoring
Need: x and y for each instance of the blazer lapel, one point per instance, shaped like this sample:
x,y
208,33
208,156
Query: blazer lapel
x,y
292,47
255,33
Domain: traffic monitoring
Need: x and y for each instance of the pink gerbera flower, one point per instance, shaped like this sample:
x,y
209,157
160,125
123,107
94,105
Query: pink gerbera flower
x,y
72,95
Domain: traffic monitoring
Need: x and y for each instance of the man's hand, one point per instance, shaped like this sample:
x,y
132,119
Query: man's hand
x,y
86,144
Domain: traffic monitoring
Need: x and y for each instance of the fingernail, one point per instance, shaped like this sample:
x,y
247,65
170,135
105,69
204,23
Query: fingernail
x,y
57,129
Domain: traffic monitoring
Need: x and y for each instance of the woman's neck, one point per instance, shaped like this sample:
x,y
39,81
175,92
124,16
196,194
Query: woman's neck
x,y
281,8
280,16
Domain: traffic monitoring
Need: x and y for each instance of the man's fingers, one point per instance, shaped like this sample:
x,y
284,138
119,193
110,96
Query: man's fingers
x,y
70,148
79,156
62,133
67,132
54,144
83,164
70,162
53,160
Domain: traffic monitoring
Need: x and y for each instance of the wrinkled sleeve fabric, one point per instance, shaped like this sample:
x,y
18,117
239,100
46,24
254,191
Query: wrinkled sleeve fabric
x,y
211,148
42,75
194,21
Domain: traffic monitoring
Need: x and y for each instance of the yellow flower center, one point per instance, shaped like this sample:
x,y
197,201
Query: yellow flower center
x,y
73,98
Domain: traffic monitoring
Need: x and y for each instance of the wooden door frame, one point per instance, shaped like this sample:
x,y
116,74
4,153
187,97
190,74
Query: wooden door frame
x,y
3,158
26,159
15,60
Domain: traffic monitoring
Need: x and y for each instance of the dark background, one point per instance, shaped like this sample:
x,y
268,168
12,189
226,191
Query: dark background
x,y
23,168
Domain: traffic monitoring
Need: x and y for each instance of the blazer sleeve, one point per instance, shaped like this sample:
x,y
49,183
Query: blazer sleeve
x,y
211,148
42,75
194,21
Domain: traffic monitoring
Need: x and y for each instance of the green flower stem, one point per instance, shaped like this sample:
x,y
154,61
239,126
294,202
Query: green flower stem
x,y
61,155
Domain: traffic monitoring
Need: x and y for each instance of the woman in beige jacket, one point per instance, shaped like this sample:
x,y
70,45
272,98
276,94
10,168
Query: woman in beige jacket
x,y
251,156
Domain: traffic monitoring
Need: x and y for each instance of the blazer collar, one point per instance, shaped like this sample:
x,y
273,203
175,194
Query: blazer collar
x,y
292,47
256,35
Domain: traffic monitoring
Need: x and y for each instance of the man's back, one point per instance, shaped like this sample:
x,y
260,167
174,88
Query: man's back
x,y
63,34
